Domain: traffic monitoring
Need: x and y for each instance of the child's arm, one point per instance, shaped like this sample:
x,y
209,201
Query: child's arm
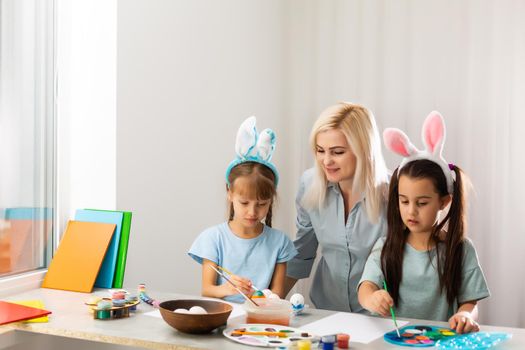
x,y
464,320
374,299
211,289
277,285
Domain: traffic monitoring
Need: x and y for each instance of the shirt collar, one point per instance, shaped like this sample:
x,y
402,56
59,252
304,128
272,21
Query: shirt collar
x,y
335,187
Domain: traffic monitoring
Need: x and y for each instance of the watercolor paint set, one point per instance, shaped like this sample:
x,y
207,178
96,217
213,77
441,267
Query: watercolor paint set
x,y
419,335
266,335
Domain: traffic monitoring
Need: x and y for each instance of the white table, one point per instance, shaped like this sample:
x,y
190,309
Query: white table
x,y
71,318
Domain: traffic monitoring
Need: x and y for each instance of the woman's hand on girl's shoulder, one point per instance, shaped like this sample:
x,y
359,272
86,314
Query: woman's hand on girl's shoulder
x,y
463,322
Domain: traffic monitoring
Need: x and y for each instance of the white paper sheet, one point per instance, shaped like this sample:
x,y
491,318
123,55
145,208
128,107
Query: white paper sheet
x,y
362,329
154,313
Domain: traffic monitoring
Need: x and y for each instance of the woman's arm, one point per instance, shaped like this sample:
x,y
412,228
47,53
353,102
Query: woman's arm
x,y
277,285
464,320
289,282
211,289
305,242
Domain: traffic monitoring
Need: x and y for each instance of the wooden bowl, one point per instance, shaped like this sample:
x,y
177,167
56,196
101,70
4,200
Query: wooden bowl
x,y
218,313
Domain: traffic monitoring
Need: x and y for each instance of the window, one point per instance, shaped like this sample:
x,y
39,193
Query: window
x,y
26,135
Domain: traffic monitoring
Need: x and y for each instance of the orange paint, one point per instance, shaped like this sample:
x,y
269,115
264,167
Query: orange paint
x,y
275,334
265,319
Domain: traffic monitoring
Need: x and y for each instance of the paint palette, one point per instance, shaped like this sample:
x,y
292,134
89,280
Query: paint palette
x,y
419,336
482,340
266,335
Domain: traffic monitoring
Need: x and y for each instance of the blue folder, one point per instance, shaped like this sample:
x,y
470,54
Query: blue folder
x,y
107,270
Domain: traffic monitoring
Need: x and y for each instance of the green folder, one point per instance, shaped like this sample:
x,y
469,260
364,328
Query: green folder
x,y
120,267
122,250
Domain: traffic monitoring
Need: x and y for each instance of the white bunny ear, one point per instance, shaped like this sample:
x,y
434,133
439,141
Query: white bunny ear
x,y
398,142
246,137
266,144
433,133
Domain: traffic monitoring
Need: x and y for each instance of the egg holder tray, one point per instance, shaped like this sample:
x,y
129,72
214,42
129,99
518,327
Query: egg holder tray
x,y
113,312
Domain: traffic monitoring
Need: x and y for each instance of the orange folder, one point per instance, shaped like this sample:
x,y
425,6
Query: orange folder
x,y
79,256
10,312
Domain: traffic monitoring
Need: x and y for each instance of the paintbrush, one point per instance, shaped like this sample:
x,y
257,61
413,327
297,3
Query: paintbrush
x,y
231,273
275,334
392,313
234,286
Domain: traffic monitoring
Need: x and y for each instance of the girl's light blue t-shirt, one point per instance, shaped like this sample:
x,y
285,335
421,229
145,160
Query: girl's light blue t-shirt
x,y
253,258
420,295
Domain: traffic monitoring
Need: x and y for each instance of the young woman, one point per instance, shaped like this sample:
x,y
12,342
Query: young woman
x,y
340,206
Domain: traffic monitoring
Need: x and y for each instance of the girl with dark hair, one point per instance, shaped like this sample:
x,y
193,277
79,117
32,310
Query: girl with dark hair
x,y
431,269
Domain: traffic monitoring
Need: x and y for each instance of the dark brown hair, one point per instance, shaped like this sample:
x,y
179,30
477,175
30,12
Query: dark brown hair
x,y
261,180
450,253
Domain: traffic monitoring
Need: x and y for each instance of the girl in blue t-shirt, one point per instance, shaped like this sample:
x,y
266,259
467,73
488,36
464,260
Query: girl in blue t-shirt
x,y
246,245
431,270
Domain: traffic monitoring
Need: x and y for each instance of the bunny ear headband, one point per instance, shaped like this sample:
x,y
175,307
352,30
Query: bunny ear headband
x,y
253,147
433,134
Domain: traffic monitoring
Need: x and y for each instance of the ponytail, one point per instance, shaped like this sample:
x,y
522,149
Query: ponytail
x,y
450,274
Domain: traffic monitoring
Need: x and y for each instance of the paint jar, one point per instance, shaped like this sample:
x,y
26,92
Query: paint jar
x,y
269,311
103,310
342,340
328,342
304,345
117,295
119,302
132,299
102,314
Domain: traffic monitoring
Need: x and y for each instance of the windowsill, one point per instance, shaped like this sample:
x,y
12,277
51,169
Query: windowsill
x,y
21,283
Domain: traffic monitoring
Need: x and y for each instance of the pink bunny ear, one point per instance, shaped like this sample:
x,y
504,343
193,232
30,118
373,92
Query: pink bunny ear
x,y
396,141
434,132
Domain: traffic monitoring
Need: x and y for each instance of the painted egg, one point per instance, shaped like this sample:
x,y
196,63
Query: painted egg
x,y
258,294
181,311
297,300
267,292
104,305
197,310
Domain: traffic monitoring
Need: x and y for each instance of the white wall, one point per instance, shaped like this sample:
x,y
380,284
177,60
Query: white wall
x,y
189,72
404,59
86,106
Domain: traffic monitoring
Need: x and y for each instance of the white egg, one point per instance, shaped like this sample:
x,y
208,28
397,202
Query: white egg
x,y
297,299
273,296
197,310
181,311
267,292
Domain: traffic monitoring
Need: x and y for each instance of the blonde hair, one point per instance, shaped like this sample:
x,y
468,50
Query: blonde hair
x,y
358,125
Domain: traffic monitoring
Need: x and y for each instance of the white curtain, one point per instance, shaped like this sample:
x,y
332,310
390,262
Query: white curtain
x,y
403,59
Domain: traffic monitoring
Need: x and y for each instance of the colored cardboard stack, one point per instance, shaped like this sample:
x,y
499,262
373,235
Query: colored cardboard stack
x,y
92,252
13,312
77,261
112,271
37,304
